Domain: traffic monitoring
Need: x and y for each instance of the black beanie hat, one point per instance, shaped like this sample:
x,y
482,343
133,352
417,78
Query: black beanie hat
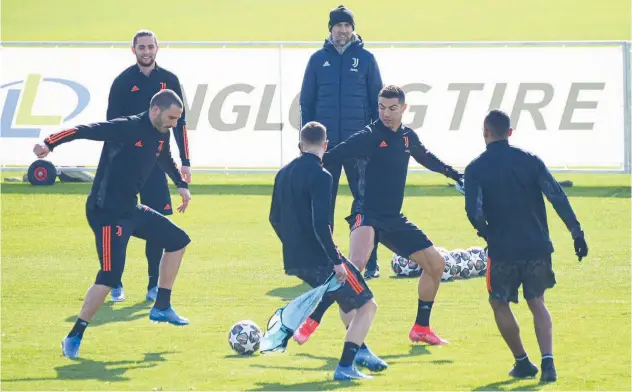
x,y
341,14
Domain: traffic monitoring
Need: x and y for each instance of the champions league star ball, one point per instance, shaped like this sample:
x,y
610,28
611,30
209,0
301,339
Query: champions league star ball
x,y
244,337
464,264
404,267
479,256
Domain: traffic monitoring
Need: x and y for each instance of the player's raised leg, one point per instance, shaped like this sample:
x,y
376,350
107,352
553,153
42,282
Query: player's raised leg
x,y
432,263
362,240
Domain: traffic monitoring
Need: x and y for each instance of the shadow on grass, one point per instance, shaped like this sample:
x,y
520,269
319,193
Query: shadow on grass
x,y
325,385
330,363
497,386
289,293
111,313
87,369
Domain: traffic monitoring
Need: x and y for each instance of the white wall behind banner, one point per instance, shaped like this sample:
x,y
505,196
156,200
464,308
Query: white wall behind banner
x,y
567,104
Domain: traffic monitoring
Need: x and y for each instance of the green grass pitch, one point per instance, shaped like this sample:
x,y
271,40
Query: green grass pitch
x,y
306,20
232,270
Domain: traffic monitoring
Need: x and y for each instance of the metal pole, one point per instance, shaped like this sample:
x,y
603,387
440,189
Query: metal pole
x,y
627,109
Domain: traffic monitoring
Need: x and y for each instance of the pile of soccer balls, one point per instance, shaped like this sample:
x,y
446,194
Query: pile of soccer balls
x,y
459,264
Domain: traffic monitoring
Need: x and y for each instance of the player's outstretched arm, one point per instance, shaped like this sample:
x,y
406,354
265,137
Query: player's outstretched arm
x,y
359,144
109,131
474,203
424,157
558,199
169,166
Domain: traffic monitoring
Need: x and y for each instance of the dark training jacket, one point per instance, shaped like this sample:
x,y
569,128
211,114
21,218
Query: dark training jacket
x,y
504,203
131,150
299,214
340,90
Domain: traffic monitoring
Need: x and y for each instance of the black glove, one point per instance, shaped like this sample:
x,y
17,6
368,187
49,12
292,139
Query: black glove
x,y
581,247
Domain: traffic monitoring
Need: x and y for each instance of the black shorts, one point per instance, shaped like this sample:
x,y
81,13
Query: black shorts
x,y
155,193
353,294
504,278
398,234
112,234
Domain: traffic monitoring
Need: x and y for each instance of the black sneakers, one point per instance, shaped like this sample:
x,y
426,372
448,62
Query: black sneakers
x,y
548,371
523,369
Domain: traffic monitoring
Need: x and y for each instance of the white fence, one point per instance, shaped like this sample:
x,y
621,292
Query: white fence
x,y
569,101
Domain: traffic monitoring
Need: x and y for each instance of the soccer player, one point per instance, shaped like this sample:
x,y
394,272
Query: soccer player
x,y
504,203
133,145
384,149
299,215
130,94
340,88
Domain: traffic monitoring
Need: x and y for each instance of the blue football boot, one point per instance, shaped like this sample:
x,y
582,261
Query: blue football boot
x,y
117,294
152,294
70,346
366,358
343,373
167,316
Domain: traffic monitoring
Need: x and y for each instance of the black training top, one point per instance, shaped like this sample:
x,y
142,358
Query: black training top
x,y
382,166
132,91
301,202
503,200
131,149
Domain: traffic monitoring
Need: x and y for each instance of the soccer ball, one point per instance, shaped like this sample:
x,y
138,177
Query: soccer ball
x,y
465,261
449,264
244,337
463,264
479,256
404,267
461,256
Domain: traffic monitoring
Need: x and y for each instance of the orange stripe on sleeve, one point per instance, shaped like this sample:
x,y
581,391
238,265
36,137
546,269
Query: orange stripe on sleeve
x,y
186,141
54,138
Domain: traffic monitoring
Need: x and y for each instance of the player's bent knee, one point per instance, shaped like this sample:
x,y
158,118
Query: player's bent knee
x,y
430,261
177,242
370,307
359,262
